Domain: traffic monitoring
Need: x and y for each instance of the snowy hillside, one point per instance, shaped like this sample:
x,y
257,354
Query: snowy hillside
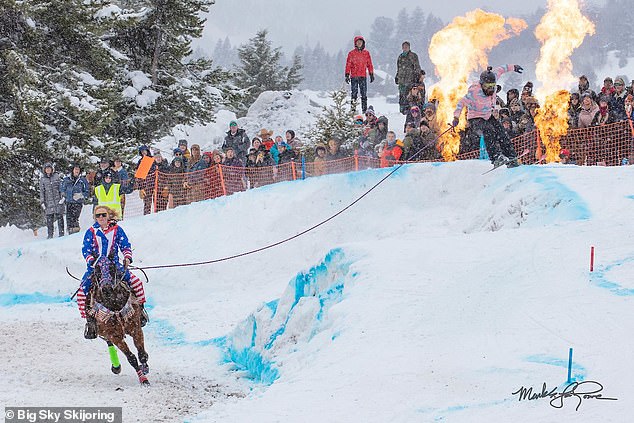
x,y
433,299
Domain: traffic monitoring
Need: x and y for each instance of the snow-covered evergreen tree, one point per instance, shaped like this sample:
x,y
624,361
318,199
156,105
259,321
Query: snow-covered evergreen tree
x,y
81,80
260,68
163,86
335,121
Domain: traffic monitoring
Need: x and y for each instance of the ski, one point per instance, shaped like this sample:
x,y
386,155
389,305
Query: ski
x,y
525,152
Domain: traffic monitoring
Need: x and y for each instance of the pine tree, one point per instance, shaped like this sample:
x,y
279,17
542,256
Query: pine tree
x,y
163,86
54,95
79,81
260,68
335,121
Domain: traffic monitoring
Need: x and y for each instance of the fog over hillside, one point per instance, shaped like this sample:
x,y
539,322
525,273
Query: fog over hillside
x,y
291,22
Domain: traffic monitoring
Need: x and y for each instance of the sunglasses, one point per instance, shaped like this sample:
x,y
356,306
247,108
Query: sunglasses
x,y
618,84
489,85
101,215
178,154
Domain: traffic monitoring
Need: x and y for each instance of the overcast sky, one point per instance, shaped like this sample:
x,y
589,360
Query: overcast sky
x,y
331,22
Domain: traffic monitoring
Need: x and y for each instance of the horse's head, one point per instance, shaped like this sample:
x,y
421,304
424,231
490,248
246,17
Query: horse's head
x,y
105,273
108,281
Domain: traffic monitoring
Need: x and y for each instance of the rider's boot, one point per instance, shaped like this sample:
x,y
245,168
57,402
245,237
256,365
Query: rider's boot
x,y
144,316
90,331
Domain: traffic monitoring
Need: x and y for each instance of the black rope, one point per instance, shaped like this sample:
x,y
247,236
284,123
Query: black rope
x,y
275,244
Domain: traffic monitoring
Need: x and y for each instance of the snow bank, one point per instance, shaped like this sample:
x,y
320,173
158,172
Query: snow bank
x,y
281,326
280,111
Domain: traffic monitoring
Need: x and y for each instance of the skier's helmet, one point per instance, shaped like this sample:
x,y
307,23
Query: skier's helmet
x,y
488,81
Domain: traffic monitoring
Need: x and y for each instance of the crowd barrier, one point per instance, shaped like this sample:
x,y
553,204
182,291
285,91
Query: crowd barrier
x,y
606,145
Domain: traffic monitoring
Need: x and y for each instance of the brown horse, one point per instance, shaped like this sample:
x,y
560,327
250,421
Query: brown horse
x,y
114,306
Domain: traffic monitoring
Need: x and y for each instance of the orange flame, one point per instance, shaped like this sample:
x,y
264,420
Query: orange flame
x,y
561,30
457,50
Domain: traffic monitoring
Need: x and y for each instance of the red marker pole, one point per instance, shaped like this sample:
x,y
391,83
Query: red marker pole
x,y
592,258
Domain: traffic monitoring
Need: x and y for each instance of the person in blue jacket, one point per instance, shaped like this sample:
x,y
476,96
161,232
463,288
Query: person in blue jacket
x,y
75,191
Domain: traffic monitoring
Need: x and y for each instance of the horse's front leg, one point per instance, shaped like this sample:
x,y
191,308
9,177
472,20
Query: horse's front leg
x,y
135,330
123,347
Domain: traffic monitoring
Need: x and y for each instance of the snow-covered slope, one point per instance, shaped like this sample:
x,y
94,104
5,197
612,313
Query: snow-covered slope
x,y
433,299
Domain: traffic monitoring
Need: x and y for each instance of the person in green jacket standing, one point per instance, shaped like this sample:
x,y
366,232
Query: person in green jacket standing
x,y
407,74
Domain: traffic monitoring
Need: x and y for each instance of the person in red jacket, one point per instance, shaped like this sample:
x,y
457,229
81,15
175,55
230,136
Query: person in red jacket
x,y
357,63
392,151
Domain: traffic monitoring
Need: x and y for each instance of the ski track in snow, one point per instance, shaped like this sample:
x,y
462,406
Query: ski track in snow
x,y
48,363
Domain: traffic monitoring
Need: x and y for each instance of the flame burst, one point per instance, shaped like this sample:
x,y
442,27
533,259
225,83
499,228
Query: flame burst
x,y
561,30
457,50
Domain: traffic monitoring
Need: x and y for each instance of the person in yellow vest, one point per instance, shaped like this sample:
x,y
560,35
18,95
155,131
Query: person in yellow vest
x,y
109,193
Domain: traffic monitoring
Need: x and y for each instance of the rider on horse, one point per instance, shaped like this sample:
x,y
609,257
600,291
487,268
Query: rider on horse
x,y
104,239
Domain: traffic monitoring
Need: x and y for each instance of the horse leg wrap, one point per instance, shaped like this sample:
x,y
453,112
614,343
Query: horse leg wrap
x,y
114,357
142,378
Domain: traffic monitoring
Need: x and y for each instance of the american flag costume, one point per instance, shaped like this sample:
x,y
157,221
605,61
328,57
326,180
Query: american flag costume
x,y
100,243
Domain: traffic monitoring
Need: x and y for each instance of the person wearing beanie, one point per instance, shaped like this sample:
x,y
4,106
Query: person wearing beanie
x,y
182,145
370,118
606,114
238,139
479,102
295,144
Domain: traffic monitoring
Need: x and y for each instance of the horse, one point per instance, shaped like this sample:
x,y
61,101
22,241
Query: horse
x,y
117,312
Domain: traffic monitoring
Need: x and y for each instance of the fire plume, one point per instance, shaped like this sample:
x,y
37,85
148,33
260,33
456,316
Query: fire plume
x,y
561,30
458,50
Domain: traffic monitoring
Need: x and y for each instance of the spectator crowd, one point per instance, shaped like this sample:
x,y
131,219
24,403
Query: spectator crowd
x,y
245,162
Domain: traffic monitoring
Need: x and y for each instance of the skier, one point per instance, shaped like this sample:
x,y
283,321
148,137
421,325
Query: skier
x,y
479,101
357,63
106,238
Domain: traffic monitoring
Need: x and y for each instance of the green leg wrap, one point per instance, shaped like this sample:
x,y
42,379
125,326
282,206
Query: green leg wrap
x,y
114,357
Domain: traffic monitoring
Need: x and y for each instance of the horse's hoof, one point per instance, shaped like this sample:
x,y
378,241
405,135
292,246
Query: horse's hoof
x,y
116,370
145,368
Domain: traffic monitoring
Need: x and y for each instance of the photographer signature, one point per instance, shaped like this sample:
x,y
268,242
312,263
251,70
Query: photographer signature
x,y
579,390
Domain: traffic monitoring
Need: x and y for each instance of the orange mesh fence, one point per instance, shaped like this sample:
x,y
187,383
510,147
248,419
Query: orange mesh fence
x,y
606,145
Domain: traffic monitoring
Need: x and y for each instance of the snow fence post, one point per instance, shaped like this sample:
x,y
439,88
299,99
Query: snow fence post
x,y
356,160
156,178
483,149
303,166
569,366
222,180
293,168
592,258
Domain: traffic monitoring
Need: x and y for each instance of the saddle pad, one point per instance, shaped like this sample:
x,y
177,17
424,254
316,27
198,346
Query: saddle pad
x,y
103,314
